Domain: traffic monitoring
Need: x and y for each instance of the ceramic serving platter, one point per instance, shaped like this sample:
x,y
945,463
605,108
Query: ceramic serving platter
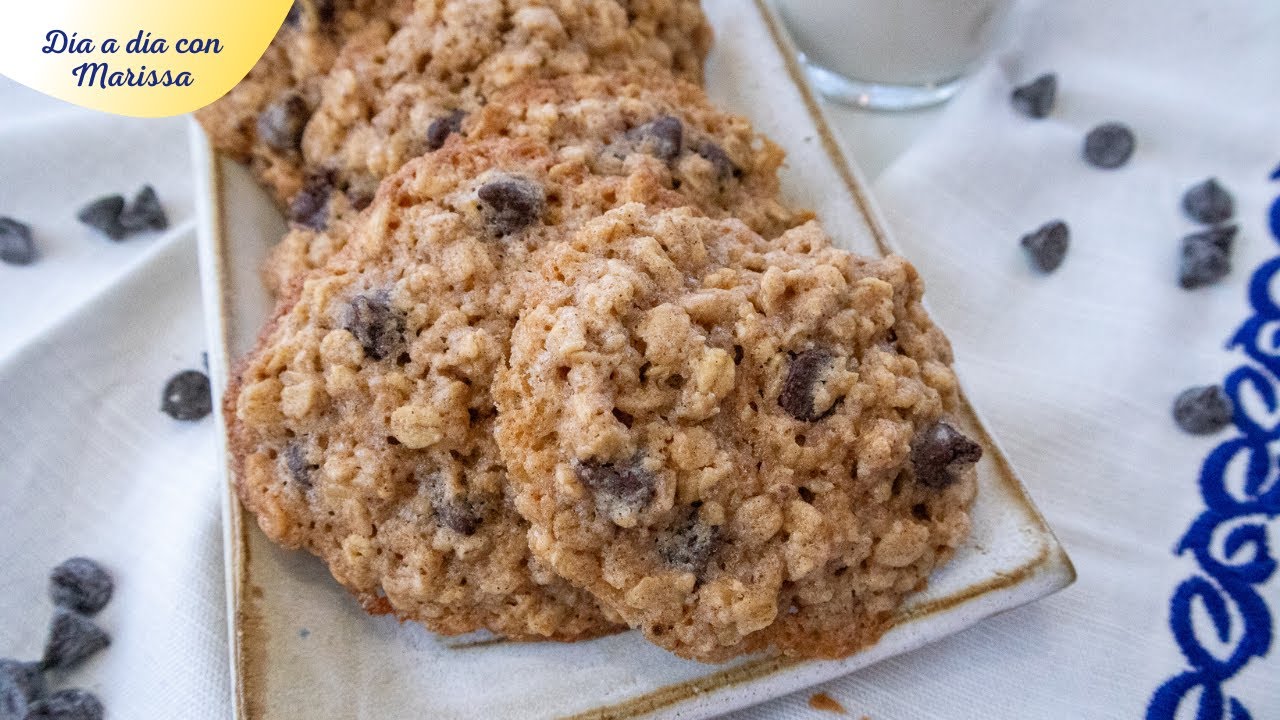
x,y
302,648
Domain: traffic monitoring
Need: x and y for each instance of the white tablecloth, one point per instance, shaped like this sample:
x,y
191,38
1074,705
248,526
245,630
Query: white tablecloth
x,y
1075,372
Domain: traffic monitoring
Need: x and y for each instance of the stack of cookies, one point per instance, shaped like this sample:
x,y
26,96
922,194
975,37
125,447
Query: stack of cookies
x,y
552,358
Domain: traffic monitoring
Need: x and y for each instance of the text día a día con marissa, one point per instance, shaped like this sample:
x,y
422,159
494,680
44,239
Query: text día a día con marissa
x,y
102,74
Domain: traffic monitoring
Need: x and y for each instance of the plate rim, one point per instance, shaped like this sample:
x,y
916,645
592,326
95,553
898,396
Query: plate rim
x,y
1049,571
211,250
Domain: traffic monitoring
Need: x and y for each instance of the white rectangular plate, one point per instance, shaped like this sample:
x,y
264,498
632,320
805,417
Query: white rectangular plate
x,y
302,648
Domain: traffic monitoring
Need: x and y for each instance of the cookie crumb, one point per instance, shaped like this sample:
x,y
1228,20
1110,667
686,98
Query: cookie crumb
x,y
826,703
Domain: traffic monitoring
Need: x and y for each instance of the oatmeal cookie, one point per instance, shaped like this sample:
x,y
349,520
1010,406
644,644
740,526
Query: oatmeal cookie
x,y
345,96
737,444
392,98
362,424
261,120
618,125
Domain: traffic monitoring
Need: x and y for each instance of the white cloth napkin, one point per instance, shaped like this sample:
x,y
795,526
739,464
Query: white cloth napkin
x,y
54,158
1074,371
88,463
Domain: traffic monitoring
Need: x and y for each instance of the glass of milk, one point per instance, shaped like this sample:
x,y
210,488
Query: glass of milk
x,y
892,54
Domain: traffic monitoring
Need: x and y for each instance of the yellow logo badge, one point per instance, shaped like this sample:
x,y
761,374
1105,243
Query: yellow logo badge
x,y
145,58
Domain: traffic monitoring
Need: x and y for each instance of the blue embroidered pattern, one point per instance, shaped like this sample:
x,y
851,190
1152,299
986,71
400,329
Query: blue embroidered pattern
x,y
1240,485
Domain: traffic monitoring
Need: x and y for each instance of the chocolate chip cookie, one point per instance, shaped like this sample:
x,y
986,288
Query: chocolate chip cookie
x,y
345,96
658,131
737,444
261,120
714,158
394,98
362,424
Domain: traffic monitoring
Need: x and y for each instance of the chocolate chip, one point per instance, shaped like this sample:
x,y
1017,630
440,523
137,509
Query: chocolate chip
x,y
20,683
511,203
294,17
938,451
145,212
16,244
324,10
1047,246
359,199
1203,409
378,327
724,165
103,215
70,704
1222,237
806,371
1109,145
310,207
13,706
295,459
281,123
689,545
80,584
1036,98
458,517
187,396
451,510
73,638
626,483
661,137
624,417
1208,203
442,127
1206,257
626,5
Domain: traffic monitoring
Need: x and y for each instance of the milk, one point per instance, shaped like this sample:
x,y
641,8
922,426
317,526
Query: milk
x,y
895,42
